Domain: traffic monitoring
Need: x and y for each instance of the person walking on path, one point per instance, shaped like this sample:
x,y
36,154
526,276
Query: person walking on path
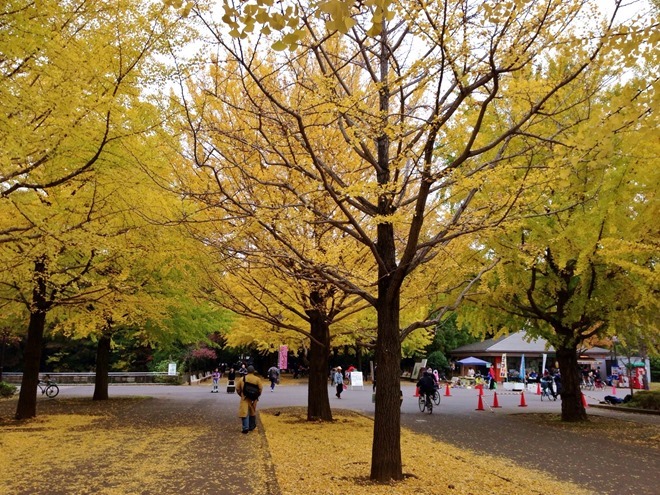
x,y
216,378
338,381
249,387
273,376
231,381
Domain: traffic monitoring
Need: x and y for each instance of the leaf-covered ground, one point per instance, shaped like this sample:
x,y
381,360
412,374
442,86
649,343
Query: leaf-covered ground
x,y
147,446
334,458
124,446
646,436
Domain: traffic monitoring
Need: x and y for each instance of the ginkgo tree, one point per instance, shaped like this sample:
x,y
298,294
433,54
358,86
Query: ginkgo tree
x,y
72,100
434,111
68,69
281,301
588,270
258,278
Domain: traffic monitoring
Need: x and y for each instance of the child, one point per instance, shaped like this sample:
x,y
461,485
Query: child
x,y
216,379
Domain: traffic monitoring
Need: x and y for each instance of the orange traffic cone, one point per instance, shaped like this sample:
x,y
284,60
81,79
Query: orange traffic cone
x,y
495,402
538,389
416,392
480,405
584,401
447,392
522,400
481,389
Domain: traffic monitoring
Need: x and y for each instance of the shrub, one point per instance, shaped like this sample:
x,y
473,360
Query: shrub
x,y
647,399
171,380
437,360
7,389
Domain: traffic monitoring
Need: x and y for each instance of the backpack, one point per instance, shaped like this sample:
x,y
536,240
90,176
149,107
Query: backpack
x,y
250,390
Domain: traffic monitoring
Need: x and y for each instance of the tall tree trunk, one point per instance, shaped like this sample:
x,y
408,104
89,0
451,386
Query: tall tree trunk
x,y
318,404
386,450
102,368
2,354
27,399
571,396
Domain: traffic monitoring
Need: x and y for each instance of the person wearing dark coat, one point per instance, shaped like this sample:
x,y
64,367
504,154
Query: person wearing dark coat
x,y
426,384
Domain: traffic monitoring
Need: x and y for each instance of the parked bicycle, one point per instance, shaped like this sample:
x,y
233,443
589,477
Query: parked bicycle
x,y
48,387
425,402
587,383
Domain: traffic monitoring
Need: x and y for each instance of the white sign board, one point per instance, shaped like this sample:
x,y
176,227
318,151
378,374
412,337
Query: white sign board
x,y
356,379
171,369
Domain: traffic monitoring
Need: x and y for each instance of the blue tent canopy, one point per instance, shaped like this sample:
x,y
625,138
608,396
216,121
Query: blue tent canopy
x,y
473,361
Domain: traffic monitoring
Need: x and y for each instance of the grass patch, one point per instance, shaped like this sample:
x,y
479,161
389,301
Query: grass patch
x,y
645,399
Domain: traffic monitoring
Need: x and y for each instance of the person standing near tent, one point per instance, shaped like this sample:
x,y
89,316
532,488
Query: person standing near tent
x,y
492,382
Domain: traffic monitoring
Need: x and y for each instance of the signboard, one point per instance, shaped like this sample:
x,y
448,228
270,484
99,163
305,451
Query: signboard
x,y
171,369
417,370
282,358
503,368
356,379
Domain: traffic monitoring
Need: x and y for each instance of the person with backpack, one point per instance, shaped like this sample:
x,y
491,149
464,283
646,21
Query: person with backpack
x,y
273,376
426,385
249,387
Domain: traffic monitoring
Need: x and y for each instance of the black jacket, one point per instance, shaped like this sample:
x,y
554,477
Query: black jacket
x,y
426,384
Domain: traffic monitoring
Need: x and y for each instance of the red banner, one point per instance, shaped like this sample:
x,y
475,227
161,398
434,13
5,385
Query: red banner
x,y
283,363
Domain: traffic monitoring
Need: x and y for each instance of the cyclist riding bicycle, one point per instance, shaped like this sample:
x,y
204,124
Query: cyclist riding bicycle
x,y
426,385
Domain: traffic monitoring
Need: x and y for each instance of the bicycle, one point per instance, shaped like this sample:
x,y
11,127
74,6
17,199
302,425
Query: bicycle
x,y
49,388
425,402
436,397
547,393
587,384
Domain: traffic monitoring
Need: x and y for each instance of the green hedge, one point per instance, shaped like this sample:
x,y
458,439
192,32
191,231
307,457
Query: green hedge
x,y
646,399
7,389
172,380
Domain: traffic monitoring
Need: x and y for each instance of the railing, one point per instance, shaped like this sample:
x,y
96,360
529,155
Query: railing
x,y
84,378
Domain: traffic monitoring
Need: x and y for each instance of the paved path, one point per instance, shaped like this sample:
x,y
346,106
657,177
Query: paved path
x,y
600,463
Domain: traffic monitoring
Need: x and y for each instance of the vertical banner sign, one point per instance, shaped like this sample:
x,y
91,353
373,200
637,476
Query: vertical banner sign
x,y
545,358
503,367
171,369
282,361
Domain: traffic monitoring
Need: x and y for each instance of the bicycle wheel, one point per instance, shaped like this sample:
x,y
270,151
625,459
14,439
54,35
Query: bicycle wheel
x,y
421,403
436,398
52,390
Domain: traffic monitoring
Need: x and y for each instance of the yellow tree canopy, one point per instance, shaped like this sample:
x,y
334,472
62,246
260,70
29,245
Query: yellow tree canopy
x,y
72,77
